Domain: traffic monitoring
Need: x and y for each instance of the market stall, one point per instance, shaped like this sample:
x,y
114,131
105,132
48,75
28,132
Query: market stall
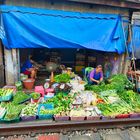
x,y
69,98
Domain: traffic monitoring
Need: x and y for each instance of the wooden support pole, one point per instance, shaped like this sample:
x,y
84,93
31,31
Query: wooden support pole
x,y
121,64
126,65
11,66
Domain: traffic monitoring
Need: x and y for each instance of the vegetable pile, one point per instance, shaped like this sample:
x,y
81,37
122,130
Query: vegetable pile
x,y
13,111
29,110
44,111
73,99
5,92
132,98
115,109
117,82
62,78
61,101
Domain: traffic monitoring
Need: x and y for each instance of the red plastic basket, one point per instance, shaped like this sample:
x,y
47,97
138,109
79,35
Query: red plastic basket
x,y
123,116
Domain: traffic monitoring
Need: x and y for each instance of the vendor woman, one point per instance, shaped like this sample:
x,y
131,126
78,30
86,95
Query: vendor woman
x,y
30,67
96,75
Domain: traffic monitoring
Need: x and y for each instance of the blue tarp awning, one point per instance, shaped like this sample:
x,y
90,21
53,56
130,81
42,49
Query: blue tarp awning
x,y
23,27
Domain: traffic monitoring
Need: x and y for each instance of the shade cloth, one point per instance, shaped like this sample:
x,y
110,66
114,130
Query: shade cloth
x,y
23,27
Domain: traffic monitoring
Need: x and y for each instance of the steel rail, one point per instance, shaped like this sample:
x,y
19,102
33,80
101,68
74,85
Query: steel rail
x,y
45,126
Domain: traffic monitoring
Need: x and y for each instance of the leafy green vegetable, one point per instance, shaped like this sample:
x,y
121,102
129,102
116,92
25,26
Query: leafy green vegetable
x,y
13,111
132,98
5,92
35,95
62,78
60,100
96,88
50,111
20,97
18,85
122,81
117,82
114,109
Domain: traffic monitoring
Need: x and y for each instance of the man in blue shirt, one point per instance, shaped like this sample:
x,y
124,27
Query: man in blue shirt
x,y
29,69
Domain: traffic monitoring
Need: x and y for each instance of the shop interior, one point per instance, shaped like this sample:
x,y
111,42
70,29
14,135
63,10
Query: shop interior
x,y
77,59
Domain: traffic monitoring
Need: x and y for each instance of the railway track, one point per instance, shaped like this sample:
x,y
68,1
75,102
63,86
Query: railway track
x,y
43,126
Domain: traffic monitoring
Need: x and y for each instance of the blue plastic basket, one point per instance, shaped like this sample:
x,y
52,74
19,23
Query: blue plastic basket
x,y
7,98
46,106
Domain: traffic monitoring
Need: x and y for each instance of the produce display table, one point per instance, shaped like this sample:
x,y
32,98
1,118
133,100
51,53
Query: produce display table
x,y
70,99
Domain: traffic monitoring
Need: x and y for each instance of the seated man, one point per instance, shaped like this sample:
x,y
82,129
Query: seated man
x,y
30,67
96,75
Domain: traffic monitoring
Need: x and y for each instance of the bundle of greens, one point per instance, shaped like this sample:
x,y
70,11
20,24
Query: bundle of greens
x,y
18,85
115,109
35,95
13,111
62,78
96,88
109,96
20,97
5,92
117,82
122,81
132,98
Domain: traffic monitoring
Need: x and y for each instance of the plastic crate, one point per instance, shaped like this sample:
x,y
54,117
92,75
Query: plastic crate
x,y
40,90
28,118
77,118
46,106
93,118
49,90
10,87
107,117
135,115
7,98
61,118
